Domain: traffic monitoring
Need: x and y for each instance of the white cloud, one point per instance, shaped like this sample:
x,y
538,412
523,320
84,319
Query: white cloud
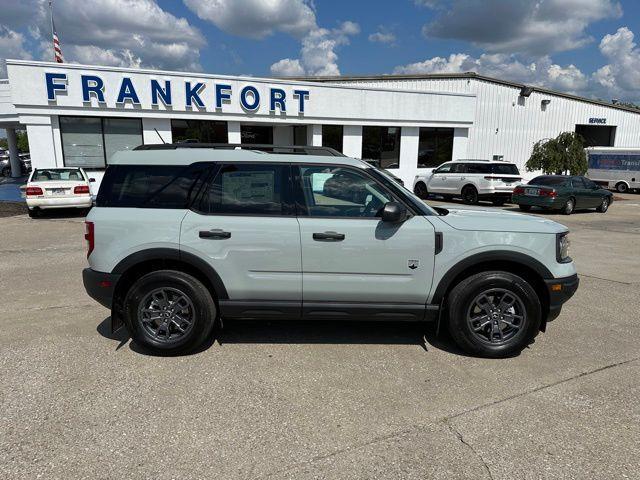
x,y
534,28
621,76
257,18
11,46
542,72
318,55
112,32
382,36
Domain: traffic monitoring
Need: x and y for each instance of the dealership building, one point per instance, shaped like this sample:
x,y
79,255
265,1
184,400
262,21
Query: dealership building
x,y
79,115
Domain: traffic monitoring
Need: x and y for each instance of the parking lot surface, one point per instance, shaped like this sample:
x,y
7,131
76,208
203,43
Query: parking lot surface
x,y
316,400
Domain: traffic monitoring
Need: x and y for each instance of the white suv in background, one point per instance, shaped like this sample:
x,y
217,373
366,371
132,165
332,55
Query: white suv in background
x,y
472,180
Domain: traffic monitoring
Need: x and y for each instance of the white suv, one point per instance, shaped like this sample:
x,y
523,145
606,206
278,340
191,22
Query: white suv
x,y
472,180
182,237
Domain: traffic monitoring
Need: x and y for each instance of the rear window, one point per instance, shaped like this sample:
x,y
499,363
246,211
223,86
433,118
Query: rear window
x,y
548,181
504,169
57,175
150,186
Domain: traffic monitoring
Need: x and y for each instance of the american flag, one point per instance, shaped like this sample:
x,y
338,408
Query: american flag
x,y
57,51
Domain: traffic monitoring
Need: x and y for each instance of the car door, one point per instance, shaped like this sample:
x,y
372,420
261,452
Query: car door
x,y
244,225
350,257
457,178
580,192
438,181
594,193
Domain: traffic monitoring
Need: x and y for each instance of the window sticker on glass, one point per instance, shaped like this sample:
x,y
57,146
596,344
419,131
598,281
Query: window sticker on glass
x,y
255,186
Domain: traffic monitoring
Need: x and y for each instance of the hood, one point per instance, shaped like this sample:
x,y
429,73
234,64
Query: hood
x,y
500,221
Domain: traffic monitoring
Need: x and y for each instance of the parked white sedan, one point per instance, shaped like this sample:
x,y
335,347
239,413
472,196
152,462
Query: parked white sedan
x,y
57,188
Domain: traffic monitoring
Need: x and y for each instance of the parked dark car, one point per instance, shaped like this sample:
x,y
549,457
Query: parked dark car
x,y
561,192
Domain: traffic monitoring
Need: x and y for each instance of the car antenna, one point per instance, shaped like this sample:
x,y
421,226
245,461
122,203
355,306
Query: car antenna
x,y
159,135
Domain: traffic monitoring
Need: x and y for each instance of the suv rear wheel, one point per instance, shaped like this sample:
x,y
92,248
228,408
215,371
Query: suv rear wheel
x,y
169,311
494,314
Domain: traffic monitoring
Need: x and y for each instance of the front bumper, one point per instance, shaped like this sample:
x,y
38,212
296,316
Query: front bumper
x,y
100,286
560,290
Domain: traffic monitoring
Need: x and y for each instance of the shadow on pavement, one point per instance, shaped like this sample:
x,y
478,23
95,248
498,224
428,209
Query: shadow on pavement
x,y
300,332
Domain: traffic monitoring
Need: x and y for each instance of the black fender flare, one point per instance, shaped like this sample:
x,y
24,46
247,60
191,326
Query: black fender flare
x,y
176,255
509,256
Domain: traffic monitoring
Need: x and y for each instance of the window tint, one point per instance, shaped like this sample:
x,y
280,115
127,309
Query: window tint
x,y
150,186
548,181
504,169
590,184
578,182
248,189
482,168
330,191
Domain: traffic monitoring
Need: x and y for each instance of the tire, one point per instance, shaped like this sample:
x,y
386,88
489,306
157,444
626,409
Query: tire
x,y
420,189
163,290
604,206
6,171
34,212
470,195
569,207
622,187
524,208
465,315
498,202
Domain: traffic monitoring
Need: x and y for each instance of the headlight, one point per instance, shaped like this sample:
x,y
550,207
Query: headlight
x,y
562,247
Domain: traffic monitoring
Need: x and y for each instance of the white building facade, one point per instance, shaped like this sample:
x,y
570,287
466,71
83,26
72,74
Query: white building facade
x,y
78,115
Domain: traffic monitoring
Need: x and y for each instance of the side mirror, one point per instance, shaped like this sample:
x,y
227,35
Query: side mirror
x,y
394,212
92,180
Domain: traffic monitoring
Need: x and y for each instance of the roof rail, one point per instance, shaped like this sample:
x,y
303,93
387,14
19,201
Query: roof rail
x,y
265,148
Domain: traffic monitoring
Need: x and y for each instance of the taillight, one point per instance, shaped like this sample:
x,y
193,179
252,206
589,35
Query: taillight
x,y
518,191
89,236
80,189
548,193
33,191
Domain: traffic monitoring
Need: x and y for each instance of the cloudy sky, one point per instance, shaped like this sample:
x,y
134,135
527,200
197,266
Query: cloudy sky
x,y
585,47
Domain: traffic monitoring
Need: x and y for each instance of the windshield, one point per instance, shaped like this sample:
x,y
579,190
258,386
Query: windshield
x,y
548,181
408,195
57,175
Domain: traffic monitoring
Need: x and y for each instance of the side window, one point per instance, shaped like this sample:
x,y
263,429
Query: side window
x,y
248,189
331,191
446,168
578,182
478,168
590,184
458,168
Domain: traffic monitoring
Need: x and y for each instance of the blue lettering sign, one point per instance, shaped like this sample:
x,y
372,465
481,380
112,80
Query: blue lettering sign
x,y
92,85
302,95
158,91
244,95
127,92
193,94
277,97
53,87
600,121
223,94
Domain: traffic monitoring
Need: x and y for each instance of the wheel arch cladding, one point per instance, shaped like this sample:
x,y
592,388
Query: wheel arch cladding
x,y
137,264
519,264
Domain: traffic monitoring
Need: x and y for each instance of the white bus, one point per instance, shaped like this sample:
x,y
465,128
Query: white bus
x,y
614,168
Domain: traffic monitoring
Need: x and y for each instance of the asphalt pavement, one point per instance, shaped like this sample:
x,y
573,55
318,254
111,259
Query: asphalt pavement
x,y
286,400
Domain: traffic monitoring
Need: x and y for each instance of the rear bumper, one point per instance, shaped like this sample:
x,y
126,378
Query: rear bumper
x,y
532,201
560,290
100,286
60,202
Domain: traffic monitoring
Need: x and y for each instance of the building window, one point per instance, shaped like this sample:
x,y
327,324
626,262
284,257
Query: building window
x,y
381,144
202,131
90,142
332,136
300,135
256,134
435,147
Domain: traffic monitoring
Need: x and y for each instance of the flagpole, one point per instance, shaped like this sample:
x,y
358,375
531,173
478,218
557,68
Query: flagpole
x,y
52,28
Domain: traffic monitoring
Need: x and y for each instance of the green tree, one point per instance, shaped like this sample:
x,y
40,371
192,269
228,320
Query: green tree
x,y
22,140
561,155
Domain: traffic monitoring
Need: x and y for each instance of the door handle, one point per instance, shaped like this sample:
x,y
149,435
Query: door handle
x,y
214,234
462,178
329,236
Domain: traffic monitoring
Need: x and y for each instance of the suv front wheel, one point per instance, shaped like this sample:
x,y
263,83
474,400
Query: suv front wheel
x,y
169,311
494,314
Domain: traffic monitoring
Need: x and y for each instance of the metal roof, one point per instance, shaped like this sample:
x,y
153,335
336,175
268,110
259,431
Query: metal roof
x,y
465,75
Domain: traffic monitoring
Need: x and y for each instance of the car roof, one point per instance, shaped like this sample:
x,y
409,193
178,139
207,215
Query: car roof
x,y
478,160
188,156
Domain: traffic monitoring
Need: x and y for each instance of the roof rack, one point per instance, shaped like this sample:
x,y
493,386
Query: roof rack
x,y
265,148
